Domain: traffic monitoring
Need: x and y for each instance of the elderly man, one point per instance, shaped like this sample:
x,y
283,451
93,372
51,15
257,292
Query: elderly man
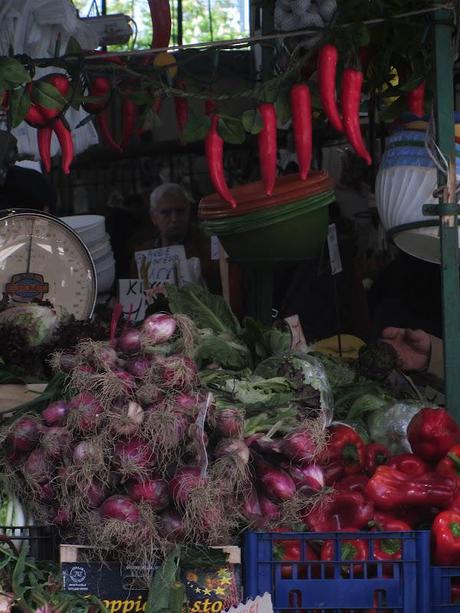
x,y
171,215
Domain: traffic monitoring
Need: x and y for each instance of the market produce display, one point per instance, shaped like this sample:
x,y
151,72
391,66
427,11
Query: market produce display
x,y
161,428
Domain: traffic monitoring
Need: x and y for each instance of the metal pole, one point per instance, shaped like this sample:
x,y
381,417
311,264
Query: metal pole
x,y
180,28
268,27
444,114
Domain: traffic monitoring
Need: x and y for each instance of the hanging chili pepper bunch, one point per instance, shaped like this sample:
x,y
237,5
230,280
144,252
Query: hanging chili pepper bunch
x,y
48,120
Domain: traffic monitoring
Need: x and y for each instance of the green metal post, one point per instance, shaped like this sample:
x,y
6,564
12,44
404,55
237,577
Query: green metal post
x,y
444,113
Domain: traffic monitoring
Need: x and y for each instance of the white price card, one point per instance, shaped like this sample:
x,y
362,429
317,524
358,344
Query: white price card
x,y
132,298
260,604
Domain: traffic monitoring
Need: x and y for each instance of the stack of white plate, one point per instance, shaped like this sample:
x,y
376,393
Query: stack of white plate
x,y
91,230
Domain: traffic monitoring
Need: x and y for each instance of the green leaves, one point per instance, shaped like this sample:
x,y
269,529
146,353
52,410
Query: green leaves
x,y
19,105
196,129
46,95
12,73
252,121
231,130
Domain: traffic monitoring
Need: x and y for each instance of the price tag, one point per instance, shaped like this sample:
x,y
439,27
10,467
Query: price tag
x,y
334,251
132,298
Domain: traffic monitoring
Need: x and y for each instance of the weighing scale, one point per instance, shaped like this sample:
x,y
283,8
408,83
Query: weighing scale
x,y
41,258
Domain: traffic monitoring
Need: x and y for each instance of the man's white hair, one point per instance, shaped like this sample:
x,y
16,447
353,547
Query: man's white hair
x,y
166,188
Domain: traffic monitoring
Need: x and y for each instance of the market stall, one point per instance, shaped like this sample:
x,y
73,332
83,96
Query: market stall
x,y
189,459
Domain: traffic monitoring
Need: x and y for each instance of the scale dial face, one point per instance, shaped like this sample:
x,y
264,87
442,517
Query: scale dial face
x,y
42,258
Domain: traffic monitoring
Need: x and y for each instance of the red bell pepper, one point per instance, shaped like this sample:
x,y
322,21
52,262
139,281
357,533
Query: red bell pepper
x,y
352,483
375,455
386,518
352,82
291,551
302,126
327,67
214,147
409,464
388,548
431,433
343,510
446,539
344,445
267,146
455,590
449,466
389,489
416,100
345,551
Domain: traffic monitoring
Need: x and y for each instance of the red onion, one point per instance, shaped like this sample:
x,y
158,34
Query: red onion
x,y
229,422
25,434
36,467
86,452
56,441
55,413
183,483
107,355
133,456
138,367
86,368
87,411
126,379
233,447
171,525
45,493
129,341
270,510
266,445
276,482
178,372
299,446
154,492
311,476
251,507
95,493
62,517
125,419
158,328
121,508
67,362
186,401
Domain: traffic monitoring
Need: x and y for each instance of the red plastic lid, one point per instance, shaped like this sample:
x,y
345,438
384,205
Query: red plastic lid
x,y
251,197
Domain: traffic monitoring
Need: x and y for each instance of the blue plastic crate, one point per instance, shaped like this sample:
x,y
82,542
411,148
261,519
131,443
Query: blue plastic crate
x,y
338,586
444,581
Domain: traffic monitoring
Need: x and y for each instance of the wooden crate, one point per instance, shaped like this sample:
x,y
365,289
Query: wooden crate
x,y
72,553
13,395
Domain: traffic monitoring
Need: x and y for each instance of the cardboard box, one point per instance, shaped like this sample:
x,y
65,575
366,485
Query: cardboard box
x,y
122,590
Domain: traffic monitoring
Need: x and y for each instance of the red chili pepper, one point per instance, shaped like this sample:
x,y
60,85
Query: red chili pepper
x,y
389,489
44,146
343,551
446,539
327,68
375,455
302,125
129,111
345,510
34,117
100,87
409,464
431,433
160,14
65,141
210,107
344,445
352,483
214,146
352,82
267,147
416,100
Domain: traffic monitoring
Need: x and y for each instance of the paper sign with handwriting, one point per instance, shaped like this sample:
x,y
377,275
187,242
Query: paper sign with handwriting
x,y
132,298
260,604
